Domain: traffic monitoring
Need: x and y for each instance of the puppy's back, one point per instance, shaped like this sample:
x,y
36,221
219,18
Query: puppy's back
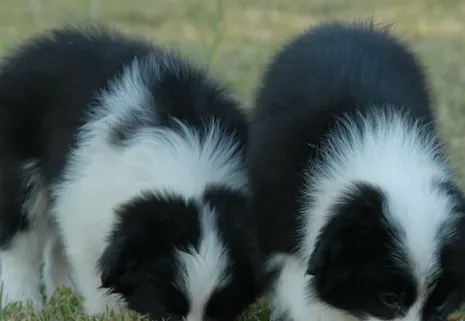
x,y
51,86
338,67
321,75
48,83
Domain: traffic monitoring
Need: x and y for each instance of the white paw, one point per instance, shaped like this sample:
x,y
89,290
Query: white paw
x,y
56,268
25,294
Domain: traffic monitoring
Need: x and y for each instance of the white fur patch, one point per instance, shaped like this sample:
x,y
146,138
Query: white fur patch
x,y
398,158
100,176
38,199
204,269
56,272
20,263
293,299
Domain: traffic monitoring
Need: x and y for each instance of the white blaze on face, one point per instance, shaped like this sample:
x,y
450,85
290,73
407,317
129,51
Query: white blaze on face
x,y
203,270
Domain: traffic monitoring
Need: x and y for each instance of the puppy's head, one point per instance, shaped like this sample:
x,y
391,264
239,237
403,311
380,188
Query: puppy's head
x,y
176,258
379,258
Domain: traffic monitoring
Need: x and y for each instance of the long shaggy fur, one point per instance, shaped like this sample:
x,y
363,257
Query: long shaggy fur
x,y
355,205
126,164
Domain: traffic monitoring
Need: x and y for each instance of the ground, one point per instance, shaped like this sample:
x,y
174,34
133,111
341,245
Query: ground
x,y
235,38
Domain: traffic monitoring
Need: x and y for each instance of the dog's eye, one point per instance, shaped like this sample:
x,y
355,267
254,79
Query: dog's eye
x,y
389,299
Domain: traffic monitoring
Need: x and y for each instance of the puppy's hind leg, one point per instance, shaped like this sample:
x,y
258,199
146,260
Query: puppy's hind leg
x,y
24,225
56,269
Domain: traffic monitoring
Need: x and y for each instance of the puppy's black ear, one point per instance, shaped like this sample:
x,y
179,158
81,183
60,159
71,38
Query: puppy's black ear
x,y
148,228
329,247
350,235
114,264
319,257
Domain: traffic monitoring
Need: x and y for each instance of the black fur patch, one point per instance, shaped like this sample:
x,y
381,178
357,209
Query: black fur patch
x,y
139,262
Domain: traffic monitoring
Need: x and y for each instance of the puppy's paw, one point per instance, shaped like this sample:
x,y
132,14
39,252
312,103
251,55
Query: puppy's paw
x,y
24,294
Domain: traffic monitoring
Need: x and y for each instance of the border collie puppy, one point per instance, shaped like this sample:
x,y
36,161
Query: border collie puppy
x,y
127,164
356,207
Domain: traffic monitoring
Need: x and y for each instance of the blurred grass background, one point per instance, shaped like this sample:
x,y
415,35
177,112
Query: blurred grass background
x,y
235,38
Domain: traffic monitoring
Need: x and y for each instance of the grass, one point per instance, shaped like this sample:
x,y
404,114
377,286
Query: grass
x,y
236,38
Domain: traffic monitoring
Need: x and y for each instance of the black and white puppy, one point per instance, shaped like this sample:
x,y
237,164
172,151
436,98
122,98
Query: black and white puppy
x,y
127,164
355,205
